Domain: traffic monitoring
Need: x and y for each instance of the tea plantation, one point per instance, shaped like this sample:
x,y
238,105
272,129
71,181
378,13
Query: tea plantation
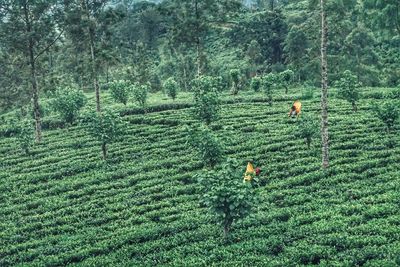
x,y
63,205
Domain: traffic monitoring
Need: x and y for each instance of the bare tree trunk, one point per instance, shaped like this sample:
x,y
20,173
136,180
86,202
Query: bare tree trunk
x,y
324,89
227,226
354,105
104,150
198,58
226,231
36,108
94,70
185,77
35,89
198,53
93,57
398,18
107,73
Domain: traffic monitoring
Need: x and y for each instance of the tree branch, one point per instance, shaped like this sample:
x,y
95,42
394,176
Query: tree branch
x,y
48,46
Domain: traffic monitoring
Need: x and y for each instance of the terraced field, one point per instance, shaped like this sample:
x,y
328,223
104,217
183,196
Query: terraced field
x,y
64,205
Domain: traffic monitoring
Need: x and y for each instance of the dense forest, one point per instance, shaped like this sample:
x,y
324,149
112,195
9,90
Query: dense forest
x,y
86,44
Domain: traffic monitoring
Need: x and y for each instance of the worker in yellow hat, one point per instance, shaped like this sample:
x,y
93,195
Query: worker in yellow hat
x,y
250,173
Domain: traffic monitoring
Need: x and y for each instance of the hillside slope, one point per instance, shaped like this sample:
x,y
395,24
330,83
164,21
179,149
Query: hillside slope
x,y
63,205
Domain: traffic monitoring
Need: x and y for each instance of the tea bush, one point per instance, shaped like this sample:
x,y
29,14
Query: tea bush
x,y
25,135
388,112
307,129
105,126
209,148
226,195
235,81
140,93
62,205
120,91
255,84
285,78
206,99
171,87
268,84
68,102
348,88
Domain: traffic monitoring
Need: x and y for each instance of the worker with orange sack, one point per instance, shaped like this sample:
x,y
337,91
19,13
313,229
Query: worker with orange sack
x,y
295,110
250,172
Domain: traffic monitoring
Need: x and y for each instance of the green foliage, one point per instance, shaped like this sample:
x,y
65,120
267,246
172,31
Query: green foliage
x,y
254,55
219,83
268,84
307,129
348,88
307,93
255,83
140,93
296,43
388,112
206,99
105,127
266,29
208,147
68,102
171,87
285,78
226,195
119,91
162,194
25,135
235,80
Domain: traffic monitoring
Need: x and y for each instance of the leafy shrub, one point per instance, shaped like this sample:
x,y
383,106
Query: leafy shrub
x,y
348,88
255,83
249,129
219,83
171,87
206,98
68,102
307,129
307,93
235,79
388,113
268,83
374,95
395,94
25,135
207,145
119,91
140,93
225,194
285,78
391,77
104,126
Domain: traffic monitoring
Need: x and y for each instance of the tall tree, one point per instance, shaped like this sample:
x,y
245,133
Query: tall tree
x,y
190,25
191,21
28,28
385,16
268,28
83,28
295,49
324,88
